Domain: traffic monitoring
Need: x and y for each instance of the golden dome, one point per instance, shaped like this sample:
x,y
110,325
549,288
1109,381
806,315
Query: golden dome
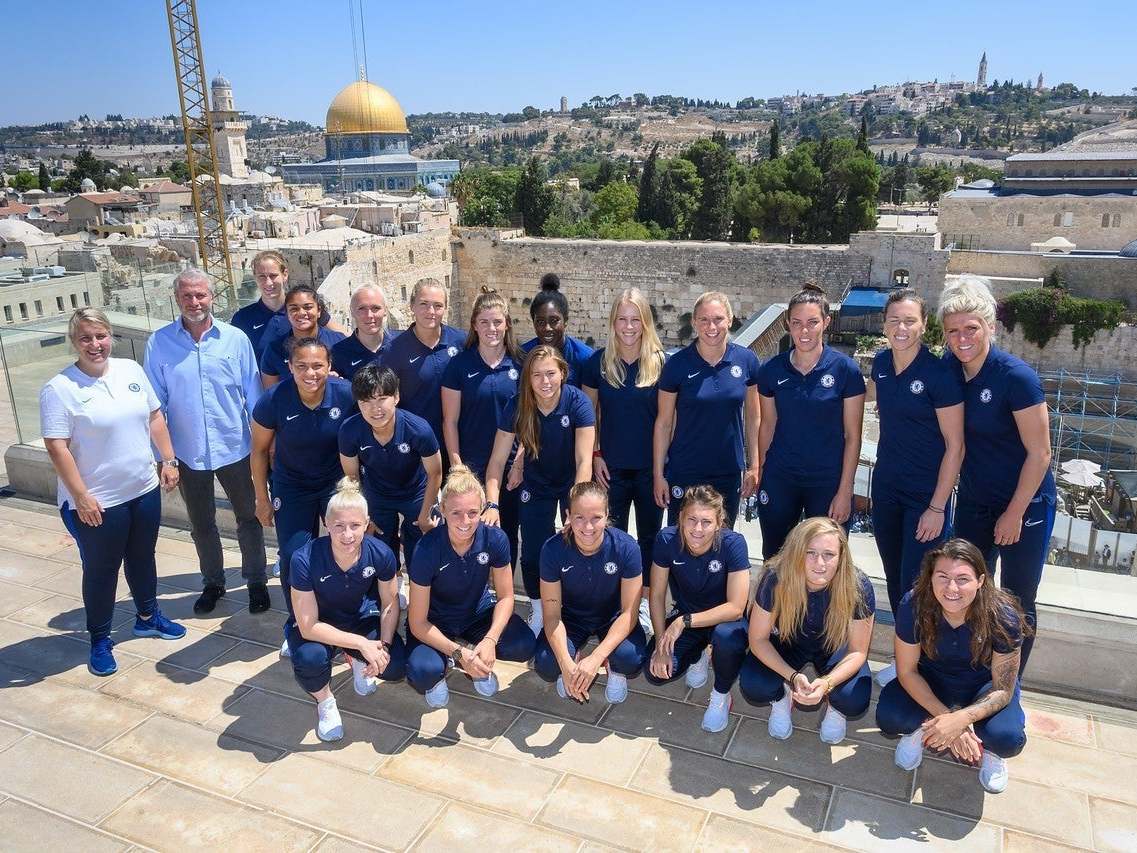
x,y
364,107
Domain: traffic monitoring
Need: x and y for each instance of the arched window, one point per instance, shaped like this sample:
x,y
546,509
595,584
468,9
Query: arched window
x,y
900,278
1105,220
1057,219
1117,220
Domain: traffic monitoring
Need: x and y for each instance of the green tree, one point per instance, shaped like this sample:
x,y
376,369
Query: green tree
x,y
534,197
179,172
713,162
863,136
605,174
44,178
615,203
934,181
531,112
680,189
775,141
647,209
24,181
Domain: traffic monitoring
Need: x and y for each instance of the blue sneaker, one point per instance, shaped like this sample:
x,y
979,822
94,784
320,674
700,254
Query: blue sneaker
x,y
158,626
102,661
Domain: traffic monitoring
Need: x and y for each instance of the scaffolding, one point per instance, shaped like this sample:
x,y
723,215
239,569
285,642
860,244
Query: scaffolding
x,y
1092,416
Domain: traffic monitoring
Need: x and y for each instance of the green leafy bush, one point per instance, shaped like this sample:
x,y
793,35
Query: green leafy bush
x,y
1045,311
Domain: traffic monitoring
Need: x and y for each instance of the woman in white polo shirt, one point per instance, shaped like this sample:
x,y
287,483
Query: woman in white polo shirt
x,y
100,417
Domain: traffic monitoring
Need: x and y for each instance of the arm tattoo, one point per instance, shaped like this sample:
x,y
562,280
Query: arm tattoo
x,y
1004,671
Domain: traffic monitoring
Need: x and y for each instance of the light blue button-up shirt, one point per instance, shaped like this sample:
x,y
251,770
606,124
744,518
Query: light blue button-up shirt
x,y
208,389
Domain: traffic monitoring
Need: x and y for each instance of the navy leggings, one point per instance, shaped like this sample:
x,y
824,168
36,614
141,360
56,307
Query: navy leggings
x,y
126,538
1003,733
426,666
729,486
312,661
628,486
385,512
1020,565
538,519
297,515
895,515
760,684
728,642
782,503
627,659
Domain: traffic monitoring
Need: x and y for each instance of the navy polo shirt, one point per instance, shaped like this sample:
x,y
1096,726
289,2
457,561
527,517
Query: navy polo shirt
x,y
553,472
699,583
457,582
709,433
576,352
809,437
274,361
911,445
590,586
349,355
627,414
253,320
951,669
391,471
485,392
306,439
995,452
419,369
342,596
810,639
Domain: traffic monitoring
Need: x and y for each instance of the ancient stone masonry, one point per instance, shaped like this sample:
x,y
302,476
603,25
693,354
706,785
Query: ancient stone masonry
x,y
671,274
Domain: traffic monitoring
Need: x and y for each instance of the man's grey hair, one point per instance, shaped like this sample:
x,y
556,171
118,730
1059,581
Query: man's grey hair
x,y
192,274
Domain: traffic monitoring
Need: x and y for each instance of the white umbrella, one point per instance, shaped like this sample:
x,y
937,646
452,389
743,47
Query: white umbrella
x,y
1083,466
1081,478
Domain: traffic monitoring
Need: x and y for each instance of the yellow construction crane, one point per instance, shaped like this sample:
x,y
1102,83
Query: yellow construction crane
x,y
205,183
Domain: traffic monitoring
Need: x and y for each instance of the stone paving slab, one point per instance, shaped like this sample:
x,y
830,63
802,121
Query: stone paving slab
x,y
208,742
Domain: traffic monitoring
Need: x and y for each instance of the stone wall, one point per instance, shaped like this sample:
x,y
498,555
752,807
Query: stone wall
x,y
1100,276
1107,352
917,255
984,220
671,274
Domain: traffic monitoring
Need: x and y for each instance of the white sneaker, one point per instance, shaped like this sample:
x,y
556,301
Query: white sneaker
x,y
833,727
536,617
329,724
285,652
910,751
439,695
364,684
781,724
561,687
404,591
486,686
993,773
886,675
276,569
616,691
718,712
698,672
645,617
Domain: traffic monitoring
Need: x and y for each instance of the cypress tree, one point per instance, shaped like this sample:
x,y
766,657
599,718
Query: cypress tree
x,y
775,141
44,178
649,188
863,138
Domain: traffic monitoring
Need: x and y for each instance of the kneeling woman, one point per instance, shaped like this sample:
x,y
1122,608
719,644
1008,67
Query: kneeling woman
x,y
454,614
345,596
813,606
958,639
707,568
591,580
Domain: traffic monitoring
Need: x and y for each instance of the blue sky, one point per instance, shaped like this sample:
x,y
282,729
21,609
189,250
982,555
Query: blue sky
x,y
290,57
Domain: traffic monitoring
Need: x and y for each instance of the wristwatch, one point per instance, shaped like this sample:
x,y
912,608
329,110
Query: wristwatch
x,y
492,505
686,620
457,657
171,463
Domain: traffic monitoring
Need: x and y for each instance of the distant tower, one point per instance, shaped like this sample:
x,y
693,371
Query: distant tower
x,y
981,79
1038,86
228,131
564,104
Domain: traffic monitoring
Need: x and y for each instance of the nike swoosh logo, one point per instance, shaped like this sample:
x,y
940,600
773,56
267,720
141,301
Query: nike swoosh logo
x,y
443,566
471,375
290,417
413,360
324,578
565,569
258,326
881,375
357,361
678,562
783,381
366,446
693,375
1033,523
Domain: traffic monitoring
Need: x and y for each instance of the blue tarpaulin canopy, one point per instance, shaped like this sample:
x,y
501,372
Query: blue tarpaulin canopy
x,y
862,301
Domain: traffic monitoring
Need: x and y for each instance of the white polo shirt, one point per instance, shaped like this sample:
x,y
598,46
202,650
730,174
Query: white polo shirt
x,y
108,421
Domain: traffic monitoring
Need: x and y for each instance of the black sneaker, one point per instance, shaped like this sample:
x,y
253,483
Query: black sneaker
x,y
259,600
208,599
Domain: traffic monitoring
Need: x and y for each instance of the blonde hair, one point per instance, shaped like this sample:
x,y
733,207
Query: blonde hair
x,y
87,315
348,497
651,350
791,595
704,496
969,294
460,481
270,255
527,426
713,296
422,284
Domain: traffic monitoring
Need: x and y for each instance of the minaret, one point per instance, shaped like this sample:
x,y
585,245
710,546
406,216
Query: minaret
x,y
981,79
228,131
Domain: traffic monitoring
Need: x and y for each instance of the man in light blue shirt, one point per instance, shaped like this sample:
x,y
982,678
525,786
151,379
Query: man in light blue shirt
x,y
205,375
